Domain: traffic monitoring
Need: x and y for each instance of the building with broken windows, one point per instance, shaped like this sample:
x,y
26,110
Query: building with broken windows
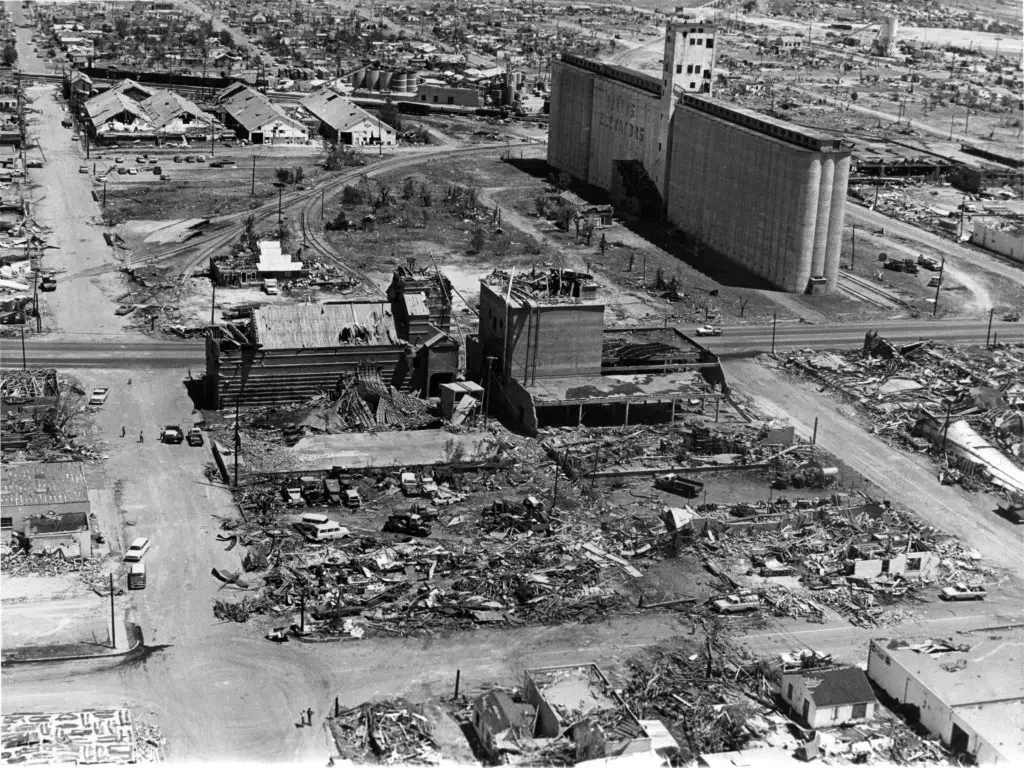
x,y
544,357
131,112
970,694
828,697
49,504
289,353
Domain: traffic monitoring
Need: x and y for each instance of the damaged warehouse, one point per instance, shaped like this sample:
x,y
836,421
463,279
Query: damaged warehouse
x,y
545,358
292,353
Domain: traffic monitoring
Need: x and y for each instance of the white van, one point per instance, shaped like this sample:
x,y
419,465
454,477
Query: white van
x,y
327,532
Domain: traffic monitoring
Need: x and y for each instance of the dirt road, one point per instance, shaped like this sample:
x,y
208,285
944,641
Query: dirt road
x,y
905,478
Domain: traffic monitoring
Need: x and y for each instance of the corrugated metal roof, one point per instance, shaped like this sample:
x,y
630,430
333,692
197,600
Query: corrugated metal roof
x,y
109,105
320,326
338,112
165,106
416,304
43,483
253,111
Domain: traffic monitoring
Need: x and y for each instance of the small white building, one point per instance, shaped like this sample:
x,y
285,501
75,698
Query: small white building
x,y
970,695
1008,241
828,697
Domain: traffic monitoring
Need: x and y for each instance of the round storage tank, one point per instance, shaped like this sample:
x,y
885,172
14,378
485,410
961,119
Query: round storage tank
x,y
384,83
357,78
372,79
399,82
508,95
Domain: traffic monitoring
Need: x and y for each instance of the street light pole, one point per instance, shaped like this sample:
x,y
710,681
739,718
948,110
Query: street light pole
x,y
942,274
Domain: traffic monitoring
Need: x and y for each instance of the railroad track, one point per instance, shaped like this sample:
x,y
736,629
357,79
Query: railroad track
x,y
307,198
864,291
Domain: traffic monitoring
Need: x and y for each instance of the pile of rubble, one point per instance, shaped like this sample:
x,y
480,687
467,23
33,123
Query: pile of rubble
x,y
16,561
390,732
696,696
965,405
858,558
364,403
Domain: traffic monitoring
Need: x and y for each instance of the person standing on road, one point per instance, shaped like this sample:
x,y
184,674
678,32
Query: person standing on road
x,y
309,714
123,431
302,718
141,437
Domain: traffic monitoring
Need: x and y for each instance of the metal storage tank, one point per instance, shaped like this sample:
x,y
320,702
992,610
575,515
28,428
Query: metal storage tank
x,y
372,79
358,77
508,96
399,82
384,83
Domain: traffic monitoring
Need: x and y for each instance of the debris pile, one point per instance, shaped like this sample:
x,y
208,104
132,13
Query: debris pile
x,y
961,404
391,732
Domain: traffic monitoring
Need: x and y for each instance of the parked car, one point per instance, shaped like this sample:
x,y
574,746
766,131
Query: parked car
x,y
137,576
99,396
172,435
177,158
963,592
1011,317
927,262
83,169
934,281
118,159
190,159
709,330
141,160
742,601
137,550
428,487
195,437
133,171
124,309
75,137
895,266
48,283
352,499
406,524
201,159
328,531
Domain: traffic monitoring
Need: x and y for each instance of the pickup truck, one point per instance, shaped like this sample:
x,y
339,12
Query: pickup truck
x,y
709,330
172,435
742,601
99,396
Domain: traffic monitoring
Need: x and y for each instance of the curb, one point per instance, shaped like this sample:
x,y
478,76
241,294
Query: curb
x,y
133,630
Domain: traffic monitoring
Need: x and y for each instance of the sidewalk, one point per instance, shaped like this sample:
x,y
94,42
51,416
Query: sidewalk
x,y
128,639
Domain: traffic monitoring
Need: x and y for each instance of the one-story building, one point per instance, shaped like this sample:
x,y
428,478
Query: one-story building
x,y
829,697
970,694
341,121
43,489
258,120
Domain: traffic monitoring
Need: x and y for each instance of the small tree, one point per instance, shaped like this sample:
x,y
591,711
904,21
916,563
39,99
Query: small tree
x,y
540,205
284,175
408,188
477,240
352,195
298,174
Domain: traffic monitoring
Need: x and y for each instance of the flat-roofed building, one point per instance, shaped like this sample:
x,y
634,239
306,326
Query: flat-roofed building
x,y
970,694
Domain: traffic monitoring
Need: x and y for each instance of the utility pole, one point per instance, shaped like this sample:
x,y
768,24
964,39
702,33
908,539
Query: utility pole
x,y
238,440
321,205
104,193
213,300
24,367
775,319
113,624
554,493
853,247
280,196
942,272
252,191
988,333
487,386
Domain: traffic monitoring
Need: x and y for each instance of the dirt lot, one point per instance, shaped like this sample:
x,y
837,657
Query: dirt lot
x,y
195,189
